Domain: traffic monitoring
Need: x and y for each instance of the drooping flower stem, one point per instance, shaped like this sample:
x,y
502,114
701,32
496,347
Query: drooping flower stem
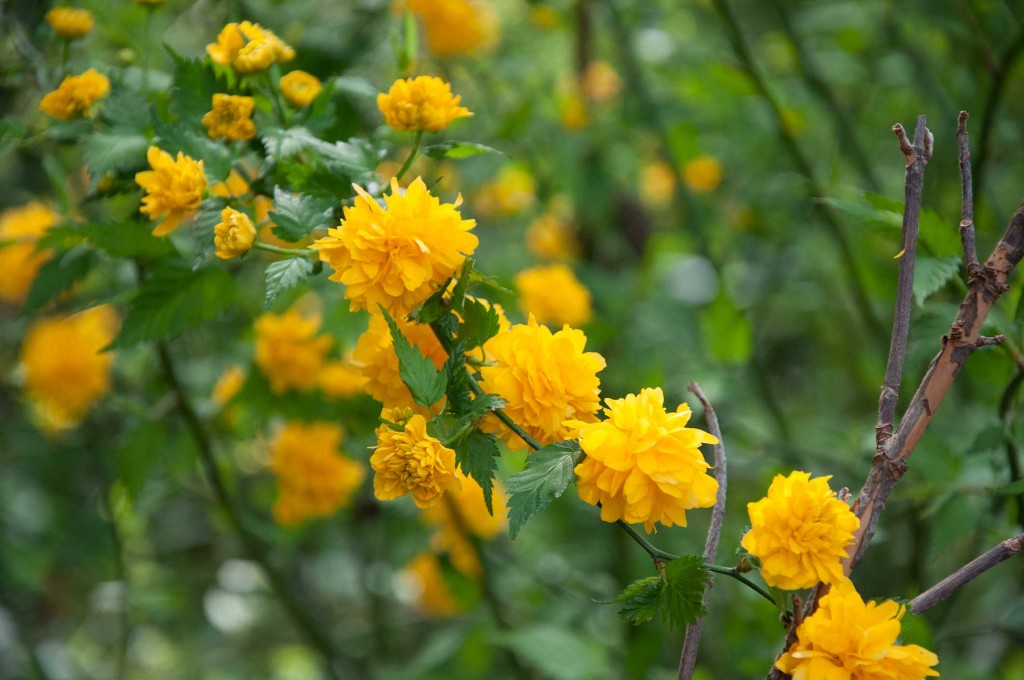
x,y
412,154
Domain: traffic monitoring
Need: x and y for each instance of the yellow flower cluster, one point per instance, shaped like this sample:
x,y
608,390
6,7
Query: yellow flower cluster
x,y
643,464
703,174
19,260
288,350
234,235
375,359
546,379
340,380
397,256
423,103
848,639
455,27
69,22
174,188
800,532
66,369
247,47
231,117
313,480
300,88
513,191
472,518
410,461
75,95
553,294
552,237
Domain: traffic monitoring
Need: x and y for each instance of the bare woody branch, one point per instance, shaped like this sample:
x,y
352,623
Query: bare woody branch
x,y
966,198
967,573
917,157
691,643
890,462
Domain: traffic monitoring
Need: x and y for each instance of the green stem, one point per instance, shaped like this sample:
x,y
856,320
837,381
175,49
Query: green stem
x,y
732,573
290,252
65,52
655,553
280,109
412,155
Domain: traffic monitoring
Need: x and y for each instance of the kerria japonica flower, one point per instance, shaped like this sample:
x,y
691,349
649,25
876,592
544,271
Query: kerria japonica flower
x,y
300,88
174,189
231,117
234,234
553,294
407,460
289,352
20,227
424,103
75,95
247,47
70,22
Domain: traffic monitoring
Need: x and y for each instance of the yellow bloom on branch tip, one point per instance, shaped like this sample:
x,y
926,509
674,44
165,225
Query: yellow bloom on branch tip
x,y
174,188
546,379
396,256
300,88
248,47
19,259
643,464
553,294
410,461
69,22
75,95
234,235
848,639
800,532
421,103
313,479
289,352
231,117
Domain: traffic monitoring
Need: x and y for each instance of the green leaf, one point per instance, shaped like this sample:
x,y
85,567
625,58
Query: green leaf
x,y
195,83
12,132
462,285
641,599
127,239
458,391
686,580
172,300
202,229
931,274
127,111
105,152
443,427
1013,489
866,216
727,332
559,652
477,456
547,473
426,383
408,47
453,149
480,323
217,158
355,85
481,406
286,274
296,215
58,275
434,307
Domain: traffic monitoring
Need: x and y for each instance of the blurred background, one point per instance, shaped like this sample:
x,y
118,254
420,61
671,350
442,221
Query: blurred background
x,y
721,176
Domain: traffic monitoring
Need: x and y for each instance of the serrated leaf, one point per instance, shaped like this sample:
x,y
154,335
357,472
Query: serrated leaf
x,y
56,276
458,391
931,274
296,215
458,298
202,229
443,427
286,274
108,151
454,149
548,472
217,158
480,323
866,216
641,599
127,111
481,406
193,88
434,307
172,300
356,158
127,239
426,383
685,582
477,455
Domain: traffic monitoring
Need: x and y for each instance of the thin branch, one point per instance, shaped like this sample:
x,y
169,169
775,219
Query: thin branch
x,y
966,197
987,340
691,643
916,156
890,463
965,574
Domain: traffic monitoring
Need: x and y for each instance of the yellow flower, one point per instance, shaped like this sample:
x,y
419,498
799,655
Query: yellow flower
x,y
451,535
553,294
411,461
75,95
70,23
657,184
425,579
643,464
234,235
510,193
248,47
552,237
232,187
421,103
545,378
173,188
800,532
288,350
397,256
300,88
601,83
374,357
231,117
455,27
228,385
66,371
19,260
313,480
341,380
703,174
848,639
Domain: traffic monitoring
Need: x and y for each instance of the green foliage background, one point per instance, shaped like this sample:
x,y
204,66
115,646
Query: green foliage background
x,y
774,292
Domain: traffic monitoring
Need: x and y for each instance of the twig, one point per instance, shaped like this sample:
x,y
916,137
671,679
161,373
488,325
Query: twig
x,y
691,643
966,198
890,463
965,574
913,183
986,340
